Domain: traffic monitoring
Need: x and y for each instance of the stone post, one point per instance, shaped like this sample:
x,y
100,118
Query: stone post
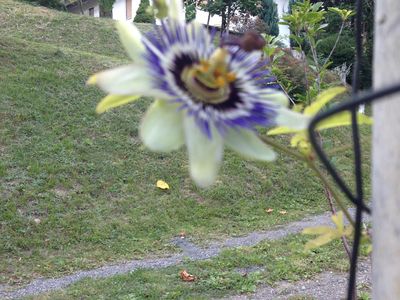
x,y
386,155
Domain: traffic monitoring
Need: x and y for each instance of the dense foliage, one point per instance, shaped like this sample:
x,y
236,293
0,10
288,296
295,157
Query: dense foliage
x,y
106,7
269,14
56,4
345,50
190,10
142,14
229,8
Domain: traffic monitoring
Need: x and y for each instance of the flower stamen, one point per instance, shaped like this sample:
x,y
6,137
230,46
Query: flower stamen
x,y
209,80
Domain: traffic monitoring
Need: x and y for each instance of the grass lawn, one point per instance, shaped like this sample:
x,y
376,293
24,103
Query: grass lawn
x,y
78,190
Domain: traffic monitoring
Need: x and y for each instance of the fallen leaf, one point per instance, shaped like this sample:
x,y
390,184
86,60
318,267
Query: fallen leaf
x,y
283,212
37,220
182,234
185,276
162,185
269,210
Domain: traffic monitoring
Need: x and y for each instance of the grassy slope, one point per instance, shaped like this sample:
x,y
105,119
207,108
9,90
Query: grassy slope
x,y
87,177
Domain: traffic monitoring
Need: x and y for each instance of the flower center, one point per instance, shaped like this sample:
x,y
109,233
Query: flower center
x,y
209,80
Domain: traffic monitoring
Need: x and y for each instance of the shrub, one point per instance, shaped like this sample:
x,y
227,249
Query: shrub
x,y
344,52
142,14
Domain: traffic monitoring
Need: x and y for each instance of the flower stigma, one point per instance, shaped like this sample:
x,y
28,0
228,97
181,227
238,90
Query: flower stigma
x,y
209,80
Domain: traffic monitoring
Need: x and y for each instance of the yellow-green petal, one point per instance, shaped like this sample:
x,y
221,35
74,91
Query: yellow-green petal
x,y
247,143
176,10
205,154
112,101
131,39
126,80
291,119
161,128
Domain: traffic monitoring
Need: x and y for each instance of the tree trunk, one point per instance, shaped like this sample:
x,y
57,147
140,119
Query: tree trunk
x,y
228,18
223,21
81,6
386,155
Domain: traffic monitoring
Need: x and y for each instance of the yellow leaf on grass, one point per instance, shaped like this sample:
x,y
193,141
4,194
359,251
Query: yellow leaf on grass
x,y
161,184
185,276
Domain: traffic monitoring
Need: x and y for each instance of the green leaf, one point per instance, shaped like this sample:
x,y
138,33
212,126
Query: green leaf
x,y
112,101
343,119
281,130
322,240
326,233
323,99
318,230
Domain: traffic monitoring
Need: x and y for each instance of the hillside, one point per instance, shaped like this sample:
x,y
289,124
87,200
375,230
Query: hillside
x,y
78,189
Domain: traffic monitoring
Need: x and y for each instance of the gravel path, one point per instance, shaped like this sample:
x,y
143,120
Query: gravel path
x,y
189,250
325,286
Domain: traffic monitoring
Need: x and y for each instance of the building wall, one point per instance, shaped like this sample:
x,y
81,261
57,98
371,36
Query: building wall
x,y
86,5
119,10
202,17
284,32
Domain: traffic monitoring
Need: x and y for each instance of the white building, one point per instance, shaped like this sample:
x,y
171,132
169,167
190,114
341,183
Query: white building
x,y
284,32
125,10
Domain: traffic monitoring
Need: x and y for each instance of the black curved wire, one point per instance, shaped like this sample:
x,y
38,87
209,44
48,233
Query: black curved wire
x,y
352,106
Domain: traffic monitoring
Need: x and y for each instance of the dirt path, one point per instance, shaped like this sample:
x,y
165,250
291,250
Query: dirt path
x,y
189,250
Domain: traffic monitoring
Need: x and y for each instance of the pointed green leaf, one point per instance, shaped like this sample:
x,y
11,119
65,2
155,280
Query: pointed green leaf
x,y
322,240
323,99
318,230
281,130
343,119
112,101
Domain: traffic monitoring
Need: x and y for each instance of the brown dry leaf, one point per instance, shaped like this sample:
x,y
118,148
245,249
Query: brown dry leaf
x,y
283,212
161,184
269,210
182,234
185,276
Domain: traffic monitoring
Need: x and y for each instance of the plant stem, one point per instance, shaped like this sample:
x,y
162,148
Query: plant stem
x,y
332,190
334,46
312,166
281,148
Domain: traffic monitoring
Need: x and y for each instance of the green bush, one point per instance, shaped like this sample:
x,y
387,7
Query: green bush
x,y
344,52
142,14
290,74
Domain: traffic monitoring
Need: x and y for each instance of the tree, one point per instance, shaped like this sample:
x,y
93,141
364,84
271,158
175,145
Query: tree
x,y
228,8
142,14
190,10
56,4
106,7
269,14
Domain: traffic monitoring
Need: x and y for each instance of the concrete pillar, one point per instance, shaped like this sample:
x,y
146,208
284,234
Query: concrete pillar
x,y
386,155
